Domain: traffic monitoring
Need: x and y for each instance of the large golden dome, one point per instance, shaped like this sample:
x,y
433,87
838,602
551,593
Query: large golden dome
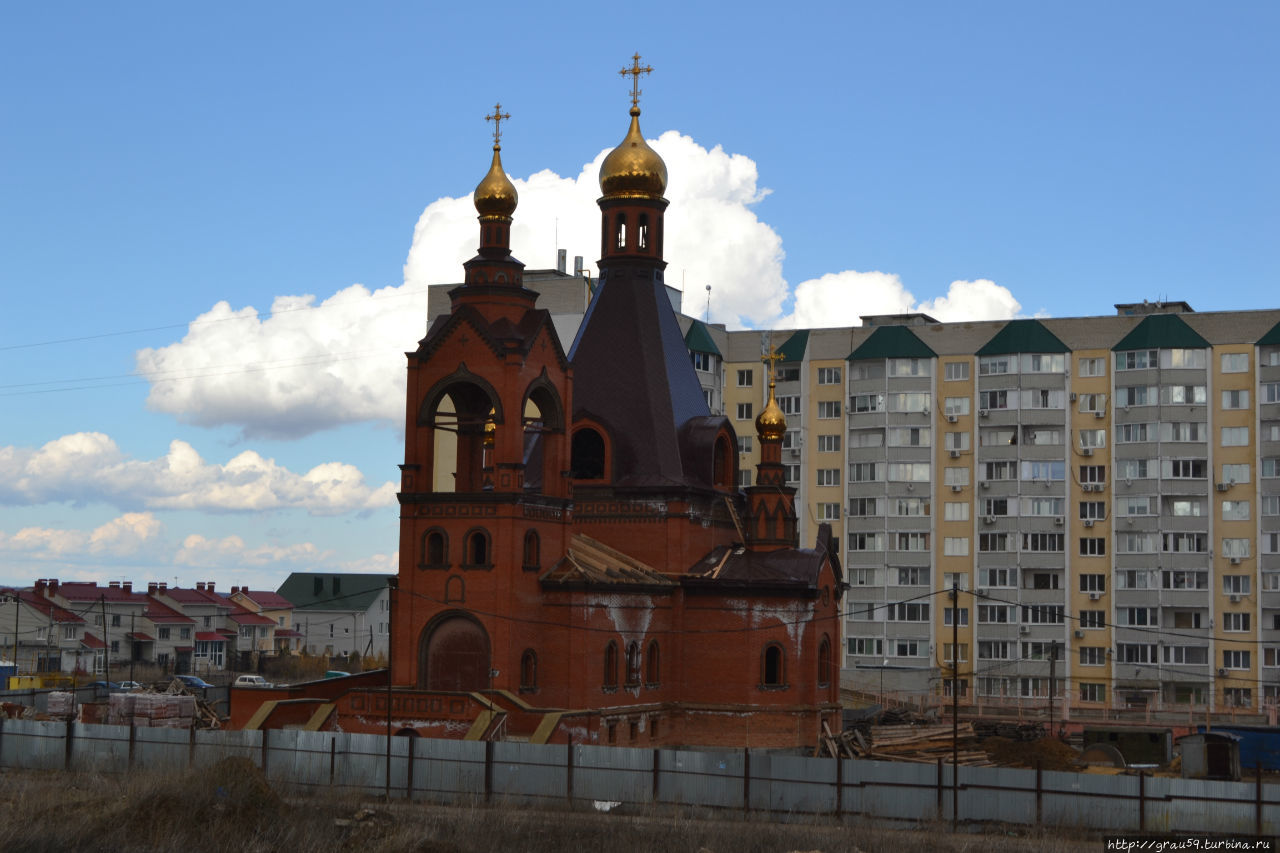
x,y
633,169
495,196
771,424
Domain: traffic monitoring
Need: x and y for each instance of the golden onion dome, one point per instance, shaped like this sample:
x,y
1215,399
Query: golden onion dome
x,y
495,196
633,169
771,424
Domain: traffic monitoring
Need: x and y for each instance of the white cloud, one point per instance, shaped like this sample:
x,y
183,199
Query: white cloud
x,y
308,366
231,551
129,535
86,467
840,299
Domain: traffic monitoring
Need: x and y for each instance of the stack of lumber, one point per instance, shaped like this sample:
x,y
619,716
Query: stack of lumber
x,y
1023,731
917,743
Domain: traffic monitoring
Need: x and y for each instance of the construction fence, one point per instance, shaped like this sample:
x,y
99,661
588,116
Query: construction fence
x,y
772,784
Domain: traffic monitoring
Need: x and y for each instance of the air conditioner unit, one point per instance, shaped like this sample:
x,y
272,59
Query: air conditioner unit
x,y
1235,599
952,419
1088,522
1024,629
981,592
1073,396
794,451
982,413
1086,451
986,484
1235,561
1059,521
1222,672
1099,414
1128,481
955,454
1222,487
990,519
1079,634
1094,596
957,488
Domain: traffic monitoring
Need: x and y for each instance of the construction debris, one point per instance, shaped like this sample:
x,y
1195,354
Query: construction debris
x,y
922,743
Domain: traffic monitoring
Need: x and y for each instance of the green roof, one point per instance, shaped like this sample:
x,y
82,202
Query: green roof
x,y
1023,336
698,339
1161,331
1271,338
332,591
793,349
892,342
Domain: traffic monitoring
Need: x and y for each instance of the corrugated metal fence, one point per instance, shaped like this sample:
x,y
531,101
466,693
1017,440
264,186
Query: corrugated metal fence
x,y
451,770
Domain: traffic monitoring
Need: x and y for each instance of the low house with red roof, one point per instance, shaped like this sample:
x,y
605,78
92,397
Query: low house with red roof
x,y
114,614
284,638
40,636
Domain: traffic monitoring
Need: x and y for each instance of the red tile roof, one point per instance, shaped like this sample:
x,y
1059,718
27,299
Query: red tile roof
x,y
48,608
210,637
91,642
141,637
282,633
83,591
158,611
268,600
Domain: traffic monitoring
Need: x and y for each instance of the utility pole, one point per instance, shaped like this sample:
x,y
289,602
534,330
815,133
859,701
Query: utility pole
x,y
133,633
1053,670
106,640
17,608
955,704
391,591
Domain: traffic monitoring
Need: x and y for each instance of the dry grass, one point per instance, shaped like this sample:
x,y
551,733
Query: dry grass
x,y
232,809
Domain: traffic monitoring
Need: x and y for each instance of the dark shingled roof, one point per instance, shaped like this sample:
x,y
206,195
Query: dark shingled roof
x,y
631,371
355,591
793,349
1161,331
698,339
1271,338
733,565
1023,336
892,342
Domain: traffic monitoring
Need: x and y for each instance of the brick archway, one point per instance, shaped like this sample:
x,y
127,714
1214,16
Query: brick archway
x,y
454,654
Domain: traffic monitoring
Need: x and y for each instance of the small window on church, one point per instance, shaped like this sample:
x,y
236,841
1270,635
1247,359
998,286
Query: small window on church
x,y
633,663
435,549
824,662
771,674
587,455
642,237
723,473
622,230
532,558
651,671
611,666
528,671
477,552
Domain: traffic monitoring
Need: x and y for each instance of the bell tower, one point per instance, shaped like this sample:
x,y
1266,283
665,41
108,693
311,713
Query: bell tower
x,y
771,503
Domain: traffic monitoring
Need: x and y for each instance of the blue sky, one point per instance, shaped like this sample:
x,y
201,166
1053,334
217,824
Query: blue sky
x,y
975,160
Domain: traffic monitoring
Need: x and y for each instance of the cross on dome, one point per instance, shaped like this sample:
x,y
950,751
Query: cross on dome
x,y
497,118
635,71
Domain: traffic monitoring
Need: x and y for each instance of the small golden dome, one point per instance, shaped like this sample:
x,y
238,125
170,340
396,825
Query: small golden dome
x,y
771,424
633,169
495,196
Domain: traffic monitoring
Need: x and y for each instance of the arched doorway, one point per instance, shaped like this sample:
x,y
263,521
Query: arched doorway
x,y
454,655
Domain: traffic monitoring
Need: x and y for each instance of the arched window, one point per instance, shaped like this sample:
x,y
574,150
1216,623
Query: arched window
x,y
587,455
722,473
435,549
633,663
824,661
651,672
642,235
528,671
477,554
771,674
455,589
611,666
621,230
532,551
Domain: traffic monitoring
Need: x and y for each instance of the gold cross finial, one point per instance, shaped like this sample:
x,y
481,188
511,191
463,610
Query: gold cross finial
x,y
635,71
497,118
772,359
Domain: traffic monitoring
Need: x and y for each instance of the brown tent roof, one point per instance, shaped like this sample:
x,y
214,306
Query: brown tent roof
x,y
592,563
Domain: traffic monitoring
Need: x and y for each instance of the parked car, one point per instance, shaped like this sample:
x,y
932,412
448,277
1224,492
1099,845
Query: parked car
x,y
103,686
252,681
194,682
131,685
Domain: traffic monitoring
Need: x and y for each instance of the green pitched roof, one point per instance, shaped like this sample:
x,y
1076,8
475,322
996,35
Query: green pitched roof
x,y
334,591
1271,338
793,349
1023,336
698,339
1161,331
892,342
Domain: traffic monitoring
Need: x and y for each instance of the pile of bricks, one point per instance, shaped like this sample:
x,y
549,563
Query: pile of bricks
x,y
151,710
62,705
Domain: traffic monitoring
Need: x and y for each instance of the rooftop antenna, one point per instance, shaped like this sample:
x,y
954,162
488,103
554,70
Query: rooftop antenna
x,y
708,303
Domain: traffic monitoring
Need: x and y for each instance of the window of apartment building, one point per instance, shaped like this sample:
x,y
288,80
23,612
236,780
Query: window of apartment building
x,y
1187,543
1238,399
828,476
828,409
910,437
1271,505
1241,473
865,646
1043,362
909,367
1093,474
1043,398
1271,581
789,403
907,648
1270,430
1237,697
1186,654
955,476
1184,359
955,406
744,479
791,473
828,376
1138,616
1039,650
1007,470
1041,580
828,444
1269,392
1093,546
1141,359
1135,543
866,438
1235,436
1134,469
862,576
1182,507
955,546
1270,468
958,652
907,612
998,578
997,507
956,441
866,541
1094,510
1093,583
1136,395
1033,688
1236,549
995,649
955,511
911,541
955,580
1093,619
744,444
744,411
955,371
1235,658
746,378
863,507
866,403
993,543
1093,367
1236,584
1093,438
1043,470
1271,656
1092,691
1184,579
1269,543
1093,656
791,439
1096,403
996,614
1190,431
1134,433
864,472
828,512
908,472
948,616
909,401
913,507
1043,614
995,365
866,370
991,400
1135,579
1184,469
1043,542
1135,653
1235,622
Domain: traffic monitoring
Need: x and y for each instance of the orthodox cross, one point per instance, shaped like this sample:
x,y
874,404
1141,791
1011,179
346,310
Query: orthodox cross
x,y
497,119
772,359
635,71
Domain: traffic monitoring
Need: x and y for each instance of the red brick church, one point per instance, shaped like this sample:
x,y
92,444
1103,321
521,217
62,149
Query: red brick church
x,y
577,562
